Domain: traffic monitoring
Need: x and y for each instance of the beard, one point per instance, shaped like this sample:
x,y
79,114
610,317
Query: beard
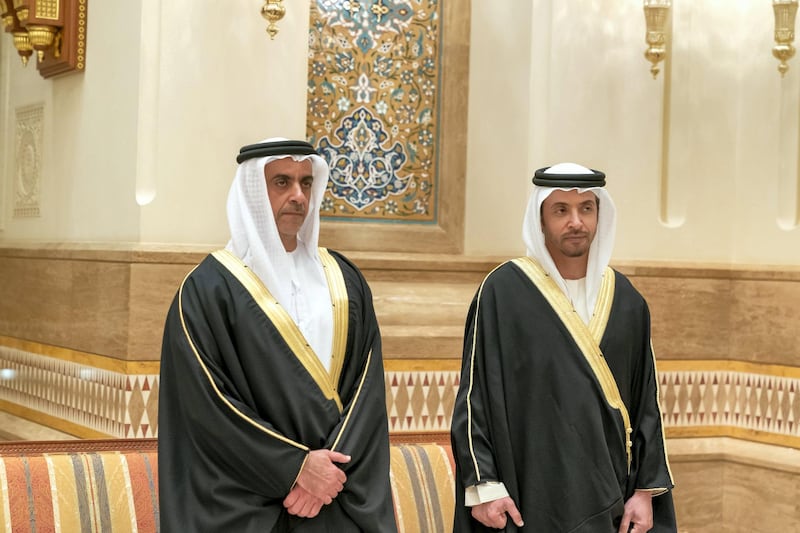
x,y
575,244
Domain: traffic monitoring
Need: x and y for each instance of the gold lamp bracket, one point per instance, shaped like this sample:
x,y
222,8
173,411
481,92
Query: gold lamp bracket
x,y
272,11
656,15
54,29
785,13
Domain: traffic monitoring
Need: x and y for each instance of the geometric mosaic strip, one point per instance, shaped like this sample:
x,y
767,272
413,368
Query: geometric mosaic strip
x,y
689,399
101,400
743,400
141,415
126,406
418,401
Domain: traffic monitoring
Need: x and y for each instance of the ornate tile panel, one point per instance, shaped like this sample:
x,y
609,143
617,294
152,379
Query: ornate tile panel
x,y
373,101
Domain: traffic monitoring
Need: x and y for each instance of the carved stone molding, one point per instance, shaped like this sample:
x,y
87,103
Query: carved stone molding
x,y
28,161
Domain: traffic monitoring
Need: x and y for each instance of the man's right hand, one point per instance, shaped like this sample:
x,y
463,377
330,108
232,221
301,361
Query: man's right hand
x,y
493,513
320,477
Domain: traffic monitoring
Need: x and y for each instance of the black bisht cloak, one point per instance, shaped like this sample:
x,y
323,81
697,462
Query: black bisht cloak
x,y
243,399
531,412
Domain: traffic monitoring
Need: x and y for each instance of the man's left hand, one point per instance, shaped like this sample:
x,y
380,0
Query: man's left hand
x,y
638,515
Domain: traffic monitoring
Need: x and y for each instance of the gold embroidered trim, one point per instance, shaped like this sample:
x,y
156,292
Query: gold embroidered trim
x,y
584,336
282,322
354,403
214,385
660,416
602,309
471,376
341,313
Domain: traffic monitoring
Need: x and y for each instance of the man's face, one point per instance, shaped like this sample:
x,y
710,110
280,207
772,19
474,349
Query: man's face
x,y
569,223
289,189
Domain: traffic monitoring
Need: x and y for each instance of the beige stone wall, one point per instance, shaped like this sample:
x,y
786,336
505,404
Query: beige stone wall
x,y
732,486
112,301
81,328
702,161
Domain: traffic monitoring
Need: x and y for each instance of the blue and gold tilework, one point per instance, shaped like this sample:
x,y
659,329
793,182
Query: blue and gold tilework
x,y
373,96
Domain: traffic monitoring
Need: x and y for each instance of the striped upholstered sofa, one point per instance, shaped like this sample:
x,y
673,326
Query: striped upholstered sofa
x,y
102,486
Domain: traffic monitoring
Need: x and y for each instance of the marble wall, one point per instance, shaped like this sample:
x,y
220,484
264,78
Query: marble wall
x,y
80,333
725,337
734,486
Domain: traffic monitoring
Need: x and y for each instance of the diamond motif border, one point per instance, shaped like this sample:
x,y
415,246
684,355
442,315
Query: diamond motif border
x,y
710,402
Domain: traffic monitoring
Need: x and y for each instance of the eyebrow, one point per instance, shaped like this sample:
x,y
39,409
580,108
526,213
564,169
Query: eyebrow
x,y
307,176
590,201
559,204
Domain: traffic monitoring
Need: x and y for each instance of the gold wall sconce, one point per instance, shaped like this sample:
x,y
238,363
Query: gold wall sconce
x,y
54,29
272,11
656,15
785,13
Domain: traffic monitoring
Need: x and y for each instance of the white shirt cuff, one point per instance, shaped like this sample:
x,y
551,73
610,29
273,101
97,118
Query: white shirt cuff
x,y
484,492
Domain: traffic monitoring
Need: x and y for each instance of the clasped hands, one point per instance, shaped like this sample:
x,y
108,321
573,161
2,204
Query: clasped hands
x,y
318,483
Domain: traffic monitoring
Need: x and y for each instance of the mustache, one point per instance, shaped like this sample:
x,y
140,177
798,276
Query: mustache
x,y
294,210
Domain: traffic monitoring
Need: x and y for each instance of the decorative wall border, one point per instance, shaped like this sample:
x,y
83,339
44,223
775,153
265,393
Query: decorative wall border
x,y
750,401
731,398
84,400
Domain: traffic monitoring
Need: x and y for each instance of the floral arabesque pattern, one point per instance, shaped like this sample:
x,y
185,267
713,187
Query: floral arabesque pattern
x,y
362,171
372,106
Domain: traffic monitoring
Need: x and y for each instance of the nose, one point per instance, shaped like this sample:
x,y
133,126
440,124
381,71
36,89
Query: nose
x,y
296,192
575,218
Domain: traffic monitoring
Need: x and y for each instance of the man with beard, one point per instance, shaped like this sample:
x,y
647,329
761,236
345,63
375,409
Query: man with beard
x,y
272,413
557,424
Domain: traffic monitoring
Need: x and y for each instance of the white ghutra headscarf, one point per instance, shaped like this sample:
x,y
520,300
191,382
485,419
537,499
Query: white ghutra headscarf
x,y
601,247
296,279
